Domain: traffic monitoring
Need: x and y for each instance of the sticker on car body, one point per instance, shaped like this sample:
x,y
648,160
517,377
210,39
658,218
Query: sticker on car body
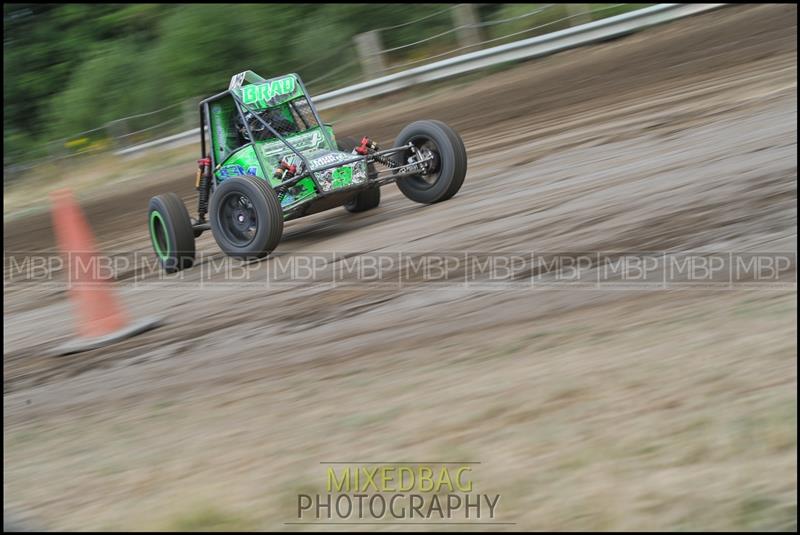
x,y
262,93
328,159
342,176
228,171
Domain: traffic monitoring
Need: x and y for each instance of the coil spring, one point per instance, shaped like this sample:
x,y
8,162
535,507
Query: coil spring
x,y
202,198
385,160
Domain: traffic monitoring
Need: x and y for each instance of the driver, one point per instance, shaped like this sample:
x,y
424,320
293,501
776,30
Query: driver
x,y
273,117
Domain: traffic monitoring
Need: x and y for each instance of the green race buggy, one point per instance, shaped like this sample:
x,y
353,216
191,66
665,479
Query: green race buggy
x,y
266,158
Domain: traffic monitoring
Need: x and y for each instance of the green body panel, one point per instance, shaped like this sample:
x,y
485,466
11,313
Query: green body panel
x,y
308,143
224,139
242,162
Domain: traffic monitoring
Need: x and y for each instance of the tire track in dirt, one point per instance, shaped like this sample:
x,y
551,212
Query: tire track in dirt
x,y
652,142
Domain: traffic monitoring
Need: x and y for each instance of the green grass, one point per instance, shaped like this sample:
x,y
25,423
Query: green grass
x,y
210,518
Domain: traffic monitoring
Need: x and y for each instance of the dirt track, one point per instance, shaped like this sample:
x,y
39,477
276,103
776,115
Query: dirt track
x,y
680,138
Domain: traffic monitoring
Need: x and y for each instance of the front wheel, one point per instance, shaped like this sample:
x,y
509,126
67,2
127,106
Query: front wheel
x,y
246,217
446,166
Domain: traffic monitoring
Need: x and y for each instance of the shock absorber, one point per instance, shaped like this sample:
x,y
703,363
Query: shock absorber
x,y
385,160
285,171
368,146
203,186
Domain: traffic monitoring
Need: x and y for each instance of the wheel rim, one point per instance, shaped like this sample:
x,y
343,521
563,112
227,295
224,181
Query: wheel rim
x,y
238,219
159,235
429,179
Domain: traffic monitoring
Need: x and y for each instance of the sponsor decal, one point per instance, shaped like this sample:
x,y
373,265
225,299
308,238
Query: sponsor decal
x,y
252,94
219,129
301,142
342,176
237,80
228,171
327,159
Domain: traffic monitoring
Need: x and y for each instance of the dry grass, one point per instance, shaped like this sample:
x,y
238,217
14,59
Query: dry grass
x,y
630,419
99,175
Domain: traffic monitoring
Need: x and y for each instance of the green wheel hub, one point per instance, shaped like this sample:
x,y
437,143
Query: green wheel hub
x,y
158,230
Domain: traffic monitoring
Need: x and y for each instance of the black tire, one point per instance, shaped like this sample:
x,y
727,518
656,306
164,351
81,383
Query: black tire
x,y
246,217
366,199
171,232
458,141
450,166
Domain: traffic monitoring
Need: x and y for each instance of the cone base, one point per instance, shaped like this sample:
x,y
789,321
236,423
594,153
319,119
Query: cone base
x,y
85,344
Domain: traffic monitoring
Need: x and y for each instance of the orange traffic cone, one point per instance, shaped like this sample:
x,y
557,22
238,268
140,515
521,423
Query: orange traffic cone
x,y
101,319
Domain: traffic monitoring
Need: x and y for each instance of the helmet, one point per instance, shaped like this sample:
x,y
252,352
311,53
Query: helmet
x,y
273,117
256,127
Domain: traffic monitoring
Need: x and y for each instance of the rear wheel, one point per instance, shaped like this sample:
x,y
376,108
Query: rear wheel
x,y
246,217
171,232
366,199
448,162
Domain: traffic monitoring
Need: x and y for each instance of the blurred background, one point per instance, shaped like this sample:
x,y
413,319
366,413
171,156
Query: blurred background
x,y
588,406
85,78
